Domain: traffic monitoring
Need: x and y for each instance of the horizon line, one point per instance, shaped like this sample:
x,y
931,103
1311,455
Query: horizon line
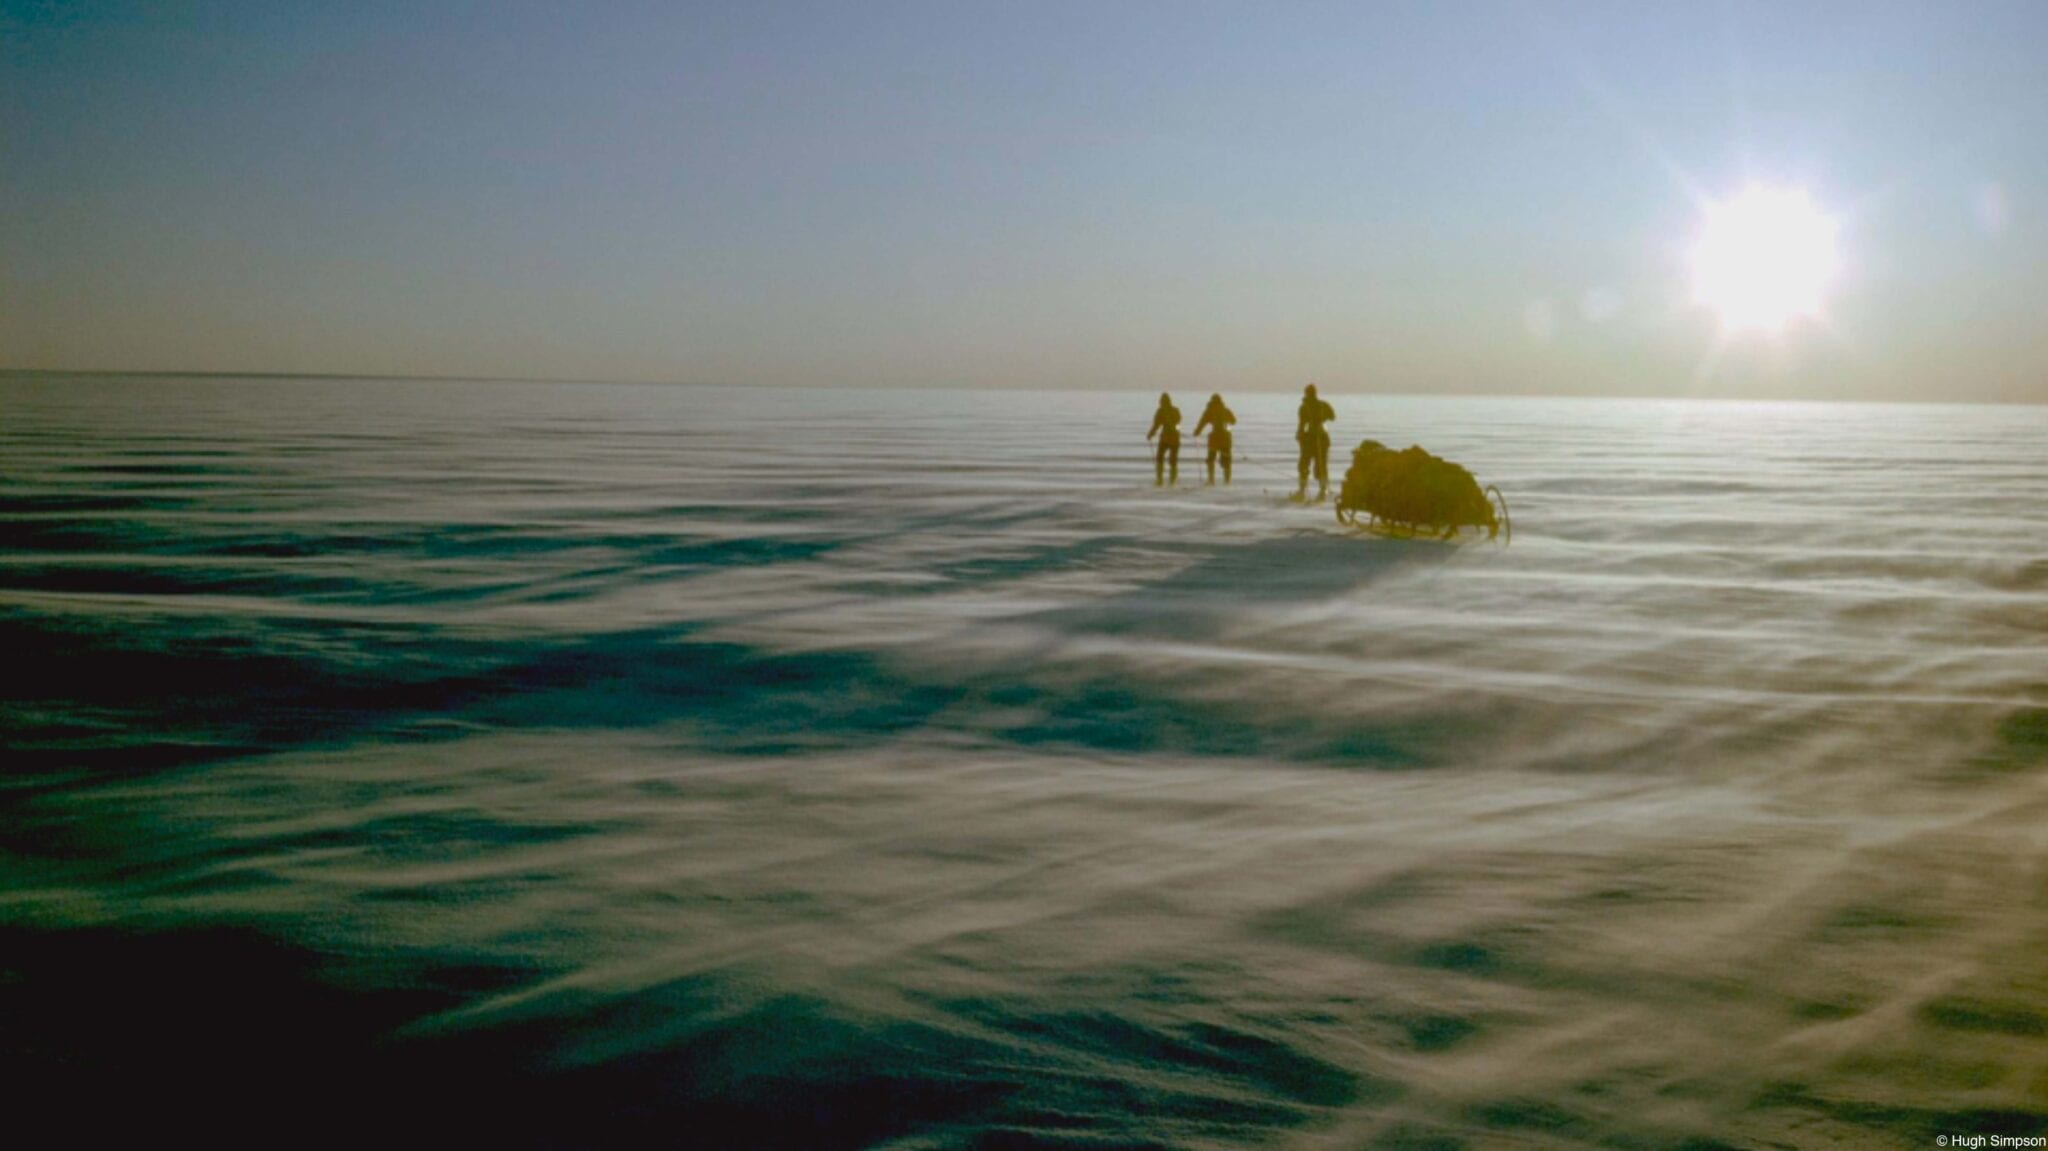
x,y
373,377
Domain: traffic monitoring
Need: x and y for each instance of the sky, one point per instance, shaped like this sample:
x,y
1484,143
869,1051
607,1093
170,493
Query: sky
x,y
1429,197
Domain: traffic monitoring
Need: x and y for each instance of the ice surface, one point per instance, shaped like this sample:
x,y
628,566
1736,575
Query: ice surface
x,y
838,768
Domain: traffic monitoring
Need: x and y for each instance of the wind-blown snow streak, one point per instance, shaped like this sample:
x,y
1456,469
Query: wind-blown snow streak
x,y
593,764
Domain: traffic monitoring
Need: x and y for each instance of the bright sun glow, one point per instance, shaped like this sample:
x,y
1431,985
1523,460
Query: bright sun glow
x,y
1764,259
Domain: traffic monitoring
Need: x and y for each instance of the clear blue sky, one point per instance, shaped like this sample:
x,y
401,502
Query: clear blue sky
x,y
1430,197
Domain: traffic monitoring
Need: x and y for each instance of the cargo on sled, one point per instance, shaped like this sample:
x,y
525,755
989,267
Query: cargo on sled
x,y
1412,491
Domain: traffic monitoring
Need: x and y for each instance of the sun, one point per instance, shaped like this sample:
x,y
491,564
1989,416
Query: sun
x,y
1763,259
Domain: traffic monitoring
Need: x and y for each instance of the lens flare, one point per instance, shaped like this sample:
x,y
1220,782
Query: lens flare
x,y
1764,258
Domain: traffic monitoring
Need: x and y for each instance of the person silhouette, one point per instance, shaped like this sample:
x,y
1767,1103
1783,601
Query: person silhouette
x,y
1166,426
1217,417
1314,439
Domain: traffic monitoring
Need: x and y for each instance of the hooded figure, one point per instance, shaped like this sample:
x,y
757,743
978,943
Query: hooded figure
x,y
1217,417
1166,426
1314,439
